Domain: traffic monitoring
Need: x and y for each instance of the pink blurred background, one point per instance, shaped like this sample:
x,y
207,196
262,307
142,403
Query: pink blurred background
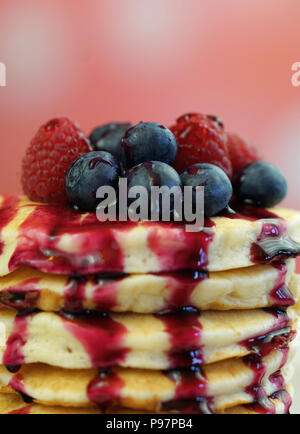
x,y
103,60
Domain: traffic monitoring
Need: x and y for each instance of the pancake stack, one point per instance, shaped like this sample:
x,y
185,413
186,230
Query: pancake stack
x,y
146,317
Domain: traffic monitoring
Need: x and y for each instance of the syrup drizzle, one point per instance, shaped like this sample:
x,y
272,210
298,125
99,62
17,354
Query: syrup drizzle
x,y
74,294
277,377
184,330
105,389
17,384
41,233
13,356
285,398
101,337
266,406
181,286
105,292
273,243
190,383
21,297
191,247
280,294
278,336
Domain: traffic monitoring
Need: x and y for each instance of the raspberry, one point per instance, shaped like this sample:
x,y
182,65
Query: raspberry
x,y
201,139
56,145
241,152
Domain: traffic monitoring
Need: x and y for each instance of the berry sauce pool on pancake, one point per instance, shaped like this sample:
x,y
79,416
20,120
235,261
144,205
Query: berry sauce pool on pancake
x,y
101,337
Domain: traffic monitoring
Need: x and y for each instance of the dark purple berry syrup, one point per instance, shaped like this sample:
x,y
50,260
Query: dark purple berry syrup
x,y
191,247
280,294
105,389
13,357
276,337
101,337
22,297
184,330
181,286
41,233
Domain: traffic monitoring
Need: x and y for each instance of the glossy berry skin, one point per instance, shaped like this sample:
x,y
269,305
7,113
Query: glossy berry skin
x,y
150,174
87,174
149,141
261,184
108,137
217,186
241,152
201,139
51,152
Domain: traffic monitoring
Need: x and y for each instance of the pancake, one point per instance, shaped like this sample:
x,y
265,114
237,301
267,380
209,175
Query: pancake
x,y
278,403
140,340
58,240
246,288
212,388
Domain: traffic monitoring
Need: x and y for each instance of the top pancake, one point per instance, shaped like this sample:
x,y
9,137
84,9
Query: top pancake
x,y
58,240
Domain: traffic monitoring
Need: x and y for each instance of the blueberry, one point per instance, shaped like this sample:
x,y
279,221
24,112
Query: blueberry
x,y
149,141
261,184
217,186
154,174
87,174
108,137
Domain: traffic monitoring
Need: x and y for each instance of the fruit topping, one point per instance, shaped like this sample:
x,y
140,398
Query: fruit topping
x,y
59,168
241,152
261,184
217,186
87,174
153,174
55,146
201,139
149,141
108,137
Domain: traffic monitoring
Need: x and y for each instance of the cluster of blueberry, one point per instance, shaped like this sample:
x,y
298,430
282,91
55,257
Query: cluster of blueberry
x,y
144,154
